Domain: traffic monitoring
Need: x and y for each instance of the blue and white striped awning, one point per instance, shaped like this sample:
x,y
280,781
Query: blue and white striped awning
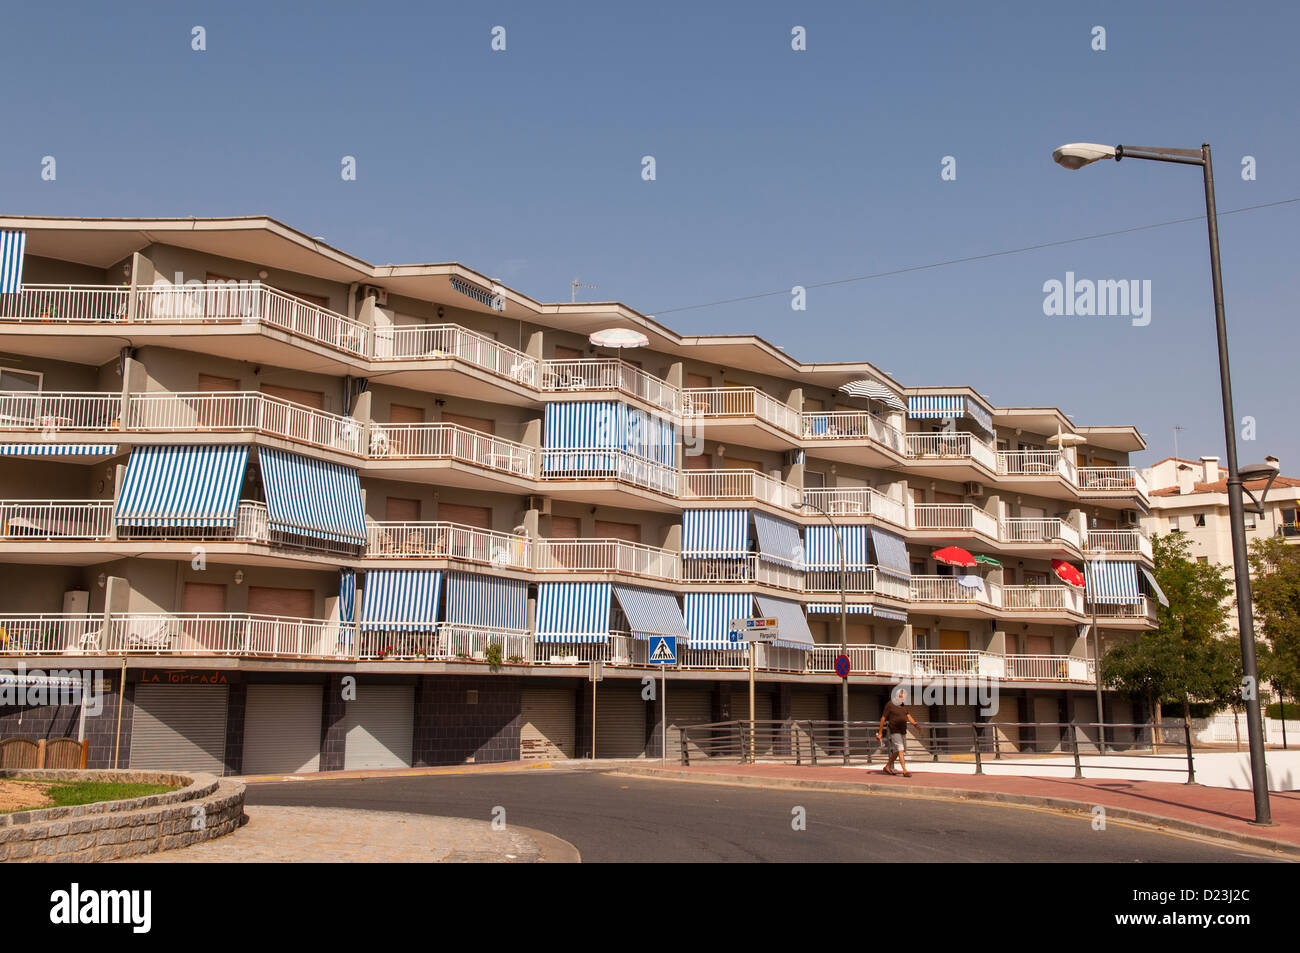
x,y
12,245
948,406
1111,583
891,550
711,534
347,595
791,623
400,600
182,486
857,608
823,550
708,617
651,612
314,498
573,612
873,390
978,414
778,541
596,425
495,602
58,449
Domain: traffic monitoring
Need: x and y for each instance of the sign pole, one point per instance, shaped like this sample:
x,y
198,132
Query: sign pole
x,y
751,702
593,720
663,693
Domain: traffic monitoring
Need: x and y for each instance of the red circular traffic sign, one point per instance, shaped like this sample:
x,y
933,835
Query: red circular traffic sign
x,y
842,666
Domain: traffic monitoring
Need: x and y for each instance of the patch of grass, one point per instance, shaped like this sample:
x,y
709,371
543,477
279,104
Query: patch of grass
x,y
70,793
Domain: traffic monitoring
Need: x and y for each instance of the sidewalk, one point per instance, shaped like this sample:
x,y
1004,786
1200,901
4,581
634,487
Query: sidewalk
x,y
1220,813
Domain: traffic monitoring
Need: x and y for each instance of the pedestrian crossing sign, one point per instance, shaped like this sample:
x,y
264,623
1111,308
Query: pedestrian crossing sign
x,y
663,650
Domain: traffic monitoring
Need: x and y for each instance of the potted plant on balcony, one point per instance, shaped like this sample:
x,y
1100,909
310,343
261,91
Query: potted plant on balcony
x,y
492,654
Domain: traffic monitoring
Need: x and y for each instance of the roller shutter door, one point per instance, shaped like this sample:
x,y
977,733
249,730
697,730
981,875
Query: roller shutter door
x,y
179,728
379,725
811,706
547,723
282,729
620,721
686,707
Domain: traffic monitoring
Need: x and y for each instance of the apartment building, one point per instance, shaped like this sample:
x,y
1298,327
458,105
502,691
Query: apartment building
x,y
301,512
1191,498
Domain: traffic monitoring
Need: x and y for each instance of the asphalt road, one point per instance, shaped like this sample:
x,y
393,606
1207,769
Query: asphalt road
x,y
632,819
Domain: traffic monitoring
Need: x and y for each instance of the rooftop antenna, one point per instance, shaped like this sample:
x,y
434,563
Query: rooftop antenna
x,y
1177,428
574,285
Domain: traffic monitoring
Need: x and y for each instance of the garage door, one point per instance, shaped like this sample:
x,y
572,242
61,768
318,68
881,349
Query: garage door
x,y
179,728
811,706
620,721
282,729
378,726
686,707
547,723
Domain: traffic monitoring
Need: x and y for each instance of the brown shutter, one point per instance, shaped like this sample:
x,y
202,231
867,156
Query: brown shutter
x,y
698,381
203,597
567,354
565,527
481,424
1038,645
294,603
628,532
398,510
221,413
736,463
308,398
479,516
402,414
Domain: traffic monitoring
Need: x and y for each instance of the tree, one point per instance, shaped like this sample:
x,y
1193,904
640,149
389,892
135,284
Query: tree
x,y
1186,657
1275,572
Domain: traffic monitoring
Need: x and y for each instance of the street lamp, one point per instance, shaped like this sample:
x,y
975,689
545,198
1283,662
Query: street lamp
x,y
1076,155
844,623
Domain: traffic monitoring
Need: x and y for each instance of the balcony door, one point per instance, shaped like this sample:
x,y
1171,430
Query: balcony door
x,y
627,532
401,441
203,597
1038,645
290,603
218,412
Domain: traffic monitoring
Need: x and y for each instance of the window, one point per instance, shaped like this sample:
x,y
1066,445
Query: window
x,y
1173,525
1199,520
1250,520
13,379
1202,559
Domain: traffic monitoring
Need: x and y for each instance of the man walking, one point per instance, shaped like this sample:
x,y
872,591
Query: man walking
x,y
897,717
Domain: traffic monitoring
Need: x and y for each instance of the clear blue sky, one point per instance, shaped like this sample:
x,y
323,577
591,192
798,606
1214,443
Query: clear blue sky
x,y
774,168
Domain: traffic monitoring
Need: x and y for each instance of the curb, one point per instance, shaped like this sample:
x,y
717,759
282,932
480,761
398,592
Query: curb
x,y
551,849
381,773
965,794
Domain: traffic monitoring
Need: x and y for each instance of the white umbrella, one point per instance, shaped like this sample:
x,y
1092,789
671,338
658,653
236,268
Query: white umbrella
x,y
873,390
618,338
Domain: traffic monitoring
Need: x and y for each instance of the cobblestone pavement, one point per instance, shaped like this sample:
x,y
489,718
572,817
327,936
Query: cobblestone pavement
x,y
329,835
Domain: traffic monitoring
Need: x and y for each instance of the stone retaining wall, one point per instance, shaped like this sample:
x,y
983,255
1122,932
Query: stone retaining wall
x,y
203,807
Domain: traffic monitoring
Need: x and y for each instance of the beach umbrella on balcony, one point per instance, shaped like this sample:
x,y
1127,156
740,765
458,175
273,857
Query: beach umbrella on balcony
x,y
618,338
954,556
970,582
988,561
873,390
1068,573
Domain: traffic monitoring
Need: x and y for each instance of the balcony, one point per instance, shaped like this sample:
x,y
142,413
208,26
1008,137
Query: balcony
x,y
738,485
1044,464
1043,599
1119,542
1032,531
953,518
48,520
951,446
1047,668
1143,612
244,412
50,412
947,590
450,342
441,540
857,501
1111,482
619,466
731,404
211,303
846,425
603,374
745,569
871,580
440,441
605,556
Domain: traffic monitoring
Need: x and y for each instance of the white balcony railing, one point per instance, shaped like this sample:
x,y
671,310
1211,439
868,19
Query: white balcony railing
x,y
1111,480
1047,668
34,520
445,441
957,517
943,446
50,412
609,374
438,342
864,659
853,425
1064,598
873,580
1145,609
605,556
1040,463
1032,530
738,485
442,540
721,403
948,589
614,465
747,568
56,304
242,411
1119,541
857,501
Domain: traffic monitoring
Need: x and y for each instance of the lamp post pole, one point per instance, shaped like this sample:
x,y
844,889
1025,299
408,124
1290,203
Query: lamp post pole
x,y
1075,156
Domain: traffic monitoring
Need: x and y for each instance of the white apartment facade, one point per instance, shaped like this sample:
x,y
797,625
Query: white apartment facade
x,y
241,470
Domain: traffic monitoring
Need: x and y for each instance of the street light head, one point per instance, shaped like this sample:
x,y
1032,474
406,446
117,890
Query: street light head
x,y
1075,155
1259,471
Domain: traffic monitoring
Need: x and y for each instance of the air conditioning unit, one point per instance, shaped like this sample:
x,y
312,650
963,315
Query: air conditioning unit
x,y
380,294
542,504
974,489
